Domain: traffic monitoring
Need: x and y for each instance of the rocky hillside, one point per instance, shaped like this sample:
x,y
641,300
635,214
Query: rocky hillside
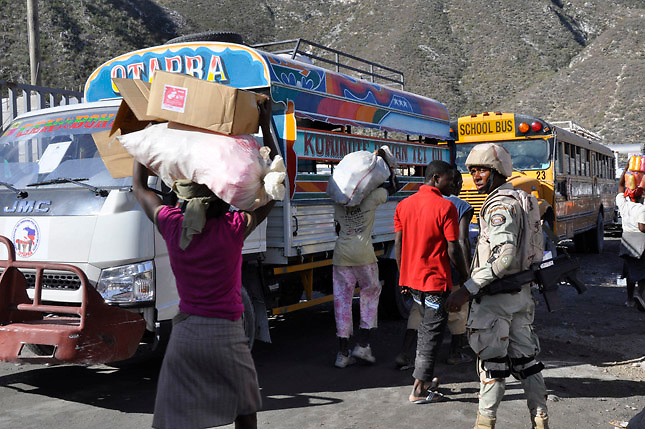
x,y
562,60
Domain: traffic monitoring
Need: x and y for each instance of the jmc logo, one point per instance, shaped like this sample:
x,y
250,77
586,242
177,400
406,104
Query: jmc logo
x,y
29,206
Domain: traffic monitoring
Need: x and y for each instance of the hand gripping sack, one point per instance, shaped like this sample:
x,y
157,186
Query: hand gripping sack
x,y
236,168
355,176
531,240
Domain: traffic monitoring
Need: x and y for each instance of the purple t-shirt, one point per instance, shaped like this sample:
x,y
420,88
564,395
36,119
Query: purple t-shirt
x,y
209,271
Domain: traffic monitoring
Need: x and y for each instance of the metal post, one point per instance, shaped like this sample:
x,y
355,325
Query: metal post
x,y
34,41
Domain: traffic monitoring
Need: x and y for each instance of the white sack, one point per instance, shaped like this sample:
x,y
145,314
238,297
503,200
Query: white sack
x,y
355,176
236,168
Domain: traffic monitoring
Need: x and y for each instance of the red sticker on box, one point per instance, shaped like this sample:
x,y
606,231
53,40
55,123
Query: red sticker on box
x,y
174,98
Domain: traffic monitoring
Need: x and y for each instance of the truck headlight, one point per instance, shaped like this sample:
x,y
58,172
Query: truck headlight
x,y
133,283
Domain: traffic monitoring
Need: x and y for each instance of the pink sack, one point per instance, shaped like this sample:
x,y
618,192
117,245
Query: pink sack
x,y
235,168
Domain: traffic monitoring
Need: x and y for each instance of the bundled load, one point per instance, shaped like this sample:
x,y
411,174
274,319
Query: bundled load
x,y
236,168
635,176
358,174
207,139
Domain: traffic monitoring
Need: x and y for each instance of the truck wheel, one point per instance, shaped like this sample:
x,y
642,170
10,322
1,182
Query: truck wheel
x,y
392,302
249,317
209,36
596,236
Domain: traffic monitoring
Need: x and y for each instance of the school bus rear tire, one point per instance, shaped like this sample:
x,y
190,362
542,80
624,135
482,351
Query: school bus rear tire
x,y
596,236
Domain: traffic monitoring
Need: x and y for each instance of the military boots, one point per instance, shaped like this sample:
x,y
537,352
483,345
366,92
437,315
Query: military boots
x,y
484,422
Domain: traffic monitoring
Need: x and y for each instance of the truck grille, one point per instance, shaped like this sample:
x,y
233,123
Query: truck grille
x,y
475,199
54,281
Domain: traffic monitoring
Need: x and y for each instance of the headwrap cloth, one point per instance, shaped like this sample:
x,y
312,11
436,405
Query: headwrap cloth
x,y
634,194
198,197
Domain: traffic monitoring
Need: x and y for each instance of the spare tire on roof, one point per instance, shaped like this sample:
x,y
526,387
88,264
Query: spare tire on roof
x,y
209,36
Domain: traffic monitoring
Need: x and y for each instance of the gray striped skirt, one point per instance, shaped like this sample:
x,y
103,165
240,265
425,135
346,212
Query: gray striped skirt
x,y
207,377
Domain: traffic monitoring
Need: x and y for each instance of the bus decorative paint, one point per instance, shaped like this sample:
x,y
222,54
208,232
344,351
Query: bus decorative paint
x,y
330,146
317,93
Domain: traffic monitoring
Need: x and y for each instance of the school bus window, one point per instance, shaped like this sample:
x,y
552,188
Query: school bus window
x,y
585,164
559,159
526,154
603,167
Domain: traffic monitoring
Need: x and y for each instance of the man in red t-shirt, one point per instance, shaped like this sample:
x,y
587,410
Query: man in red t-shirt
x,y
427,240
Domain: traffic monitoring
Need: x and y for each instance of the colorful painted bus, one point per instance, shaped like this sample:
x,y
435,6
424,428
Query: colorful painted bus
x,y
55,183
565,166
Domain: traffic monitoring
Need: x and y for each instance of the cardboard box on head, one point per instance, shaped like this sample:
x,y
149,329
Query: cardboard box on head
x,y
116,159
202,104
182,99
130,117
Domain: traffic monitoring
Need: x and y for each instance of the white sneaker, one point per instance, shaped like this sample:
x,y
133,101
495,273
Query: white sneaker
x,y
343,361
364,353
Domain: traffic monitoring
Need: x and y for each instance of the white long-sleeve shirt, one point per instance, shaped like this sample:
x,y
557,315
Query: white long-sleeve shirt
x,y
631,213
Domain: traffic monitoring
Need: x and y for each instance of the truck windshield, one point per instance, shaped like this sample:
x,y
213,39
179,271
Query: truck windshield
x,y
526,154
47,147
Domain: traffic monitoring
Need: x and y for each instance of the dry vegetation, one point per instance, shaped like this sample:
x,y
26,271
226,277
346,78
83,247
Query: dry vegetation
x,y
563,60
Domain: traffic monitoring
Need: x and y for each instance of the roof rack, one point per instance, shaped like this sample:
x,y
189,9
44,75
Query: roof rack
x,y
575,128
364,69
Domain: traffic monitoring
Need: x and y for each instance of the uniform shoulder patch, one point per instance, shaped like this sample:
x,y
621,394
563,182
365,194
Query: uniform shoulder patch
x,y
497,219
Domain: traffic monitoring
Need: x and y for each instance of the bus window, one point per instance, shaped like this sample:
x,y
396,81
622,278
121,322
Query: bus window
x,y
584,156
578,161
604,167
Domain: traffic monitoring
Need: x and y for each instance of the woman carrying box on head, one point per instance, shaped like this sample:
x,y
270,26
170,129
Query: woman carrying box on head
x,y
208,376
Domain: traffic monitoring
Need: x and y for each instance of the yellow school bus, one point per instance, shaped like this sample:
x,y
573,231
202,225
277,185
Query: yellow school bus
x,y
565,166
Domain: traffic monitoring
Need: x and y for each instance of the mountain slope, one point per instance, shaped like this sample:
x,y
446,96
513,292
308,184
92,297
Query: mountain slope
x,y
575,60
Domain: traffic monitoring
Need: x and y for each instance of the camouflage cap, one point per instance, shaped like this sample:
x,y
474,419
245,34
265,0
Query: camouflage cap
x,y
491,155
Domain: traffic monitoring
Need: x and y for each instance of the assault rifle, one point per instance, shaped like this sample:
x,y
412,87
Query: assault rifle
x,y
548,275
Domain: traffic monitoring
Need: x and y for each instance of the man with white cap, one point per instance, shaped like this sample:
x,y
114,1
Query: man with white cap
x,y
500,325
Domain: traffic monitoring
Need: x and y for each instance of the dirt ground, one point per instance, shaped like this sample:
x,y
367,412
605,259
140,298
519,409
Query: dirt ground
x,y
593,350
597,325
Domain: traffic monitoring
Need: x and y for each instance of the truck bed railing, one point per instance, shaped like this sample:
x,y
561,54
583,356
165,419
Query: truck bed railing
x,y
340,61
18,98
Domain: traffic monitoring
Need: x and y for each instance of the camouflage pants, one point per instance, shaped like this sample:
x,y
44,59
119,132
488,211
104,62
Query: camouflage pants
x,y
500,326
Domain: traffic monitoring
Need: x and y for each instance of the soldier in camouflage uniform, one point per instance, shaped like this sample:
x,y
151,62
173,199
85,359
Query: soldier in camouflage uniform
x,y
500,326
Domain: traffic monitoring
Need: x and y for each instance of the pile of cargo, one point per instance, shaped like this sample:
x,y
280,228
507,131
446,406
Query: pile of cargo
x,y
358,174
181,127
635,175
